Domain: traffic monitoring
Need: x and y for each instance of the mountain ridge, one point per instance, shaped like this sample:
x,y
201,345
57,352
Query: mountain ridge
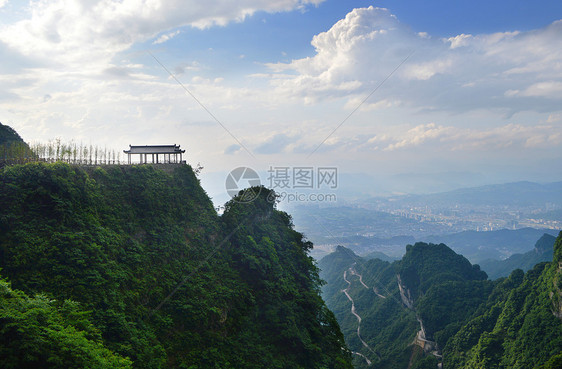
x,y
428,303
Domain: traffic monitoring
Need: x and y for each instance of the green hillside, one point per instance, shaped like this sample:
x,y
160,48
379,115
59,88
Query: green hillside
x,y
519,326
434,306
543,251
132,265
12,147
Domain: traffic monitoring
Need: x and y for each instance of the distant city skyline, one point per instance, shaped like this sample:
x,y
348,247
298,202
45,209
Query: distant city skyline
x,y
387,91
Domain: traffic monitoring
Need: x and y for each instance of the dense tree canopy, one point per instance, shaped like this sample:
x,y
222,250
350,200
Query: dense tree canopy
x,y
512,322
164,280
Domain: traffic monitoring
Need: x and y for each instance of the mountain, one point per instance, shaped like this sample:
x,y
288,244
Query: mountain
x,y
384,306
543,251
130,266
519,326
433,306
379,255
12,147
522,193
364,296
8,135
479,246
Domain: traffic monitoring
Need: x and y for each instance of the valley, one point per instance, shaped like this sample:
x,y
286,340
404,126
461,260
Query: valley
x,y
440,311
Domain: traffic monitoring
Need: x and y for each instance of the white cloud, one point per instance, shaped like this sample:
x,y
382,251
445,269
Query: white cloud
x,y
354,102
78,32
3,3
424,71
549,89
360,51
166,37
420,134
460,40
448,138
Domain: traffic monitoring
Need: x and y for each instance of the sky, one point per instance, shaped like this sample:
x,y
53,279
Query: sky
x,y
398,95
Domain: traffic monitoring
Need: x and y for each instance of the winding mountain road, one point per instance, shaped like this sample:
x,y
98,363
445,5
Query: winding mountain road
x,y
352,271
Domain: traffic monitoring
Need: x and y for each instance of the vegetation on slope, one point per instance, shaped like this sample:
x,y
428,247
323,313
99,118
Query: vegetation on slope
x,y
387,326
518,327
12,147
165,281
40,332
473,322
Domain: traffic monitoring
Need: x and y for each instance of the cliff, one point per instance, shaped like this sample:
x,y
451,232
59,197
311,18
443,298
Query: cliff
x,y
158,277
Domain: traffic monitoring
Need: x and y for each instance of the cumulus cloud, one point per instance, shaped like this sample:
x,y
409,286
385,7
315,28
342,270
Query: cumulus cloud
x,y
467,72
460,40
419,139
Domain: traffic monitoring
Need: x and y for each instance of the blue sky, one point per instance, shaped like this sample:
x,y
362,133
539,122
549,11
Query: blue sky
x,y
266,37
477,96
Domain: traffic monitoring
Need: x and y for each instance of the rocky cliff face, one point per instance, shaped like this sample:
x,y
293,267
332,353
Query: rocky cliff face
x,y
405,294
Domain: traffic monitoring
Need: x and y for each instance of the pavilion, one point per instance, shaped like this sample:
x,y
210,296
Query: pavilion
x,y
170,153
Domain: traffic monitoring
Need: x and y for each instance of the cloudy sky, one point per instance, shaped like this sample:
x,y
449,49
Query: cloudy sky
x,y
400,90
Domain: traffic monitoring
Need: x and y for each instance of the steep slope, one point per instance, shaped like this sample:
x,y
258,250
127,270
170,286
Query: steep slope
x,y
166,281
519,326
396,315
409,309
543,251
8,134
12,147
445,310
442,287
37,332
364,296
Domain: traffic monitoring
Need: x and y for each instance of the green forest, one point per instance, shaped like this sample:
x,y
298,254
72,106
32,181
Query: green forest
x,y
114,266
130,266
433,306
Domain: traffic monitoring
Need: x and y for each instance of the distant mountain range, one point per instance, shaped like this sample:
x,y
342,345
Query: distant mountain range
x,y
543,251
479,246
522,193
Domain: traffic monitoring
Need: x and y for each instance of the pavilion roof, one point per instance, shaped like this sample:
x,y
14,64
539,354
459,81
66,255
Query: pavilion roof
x,y
154,149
